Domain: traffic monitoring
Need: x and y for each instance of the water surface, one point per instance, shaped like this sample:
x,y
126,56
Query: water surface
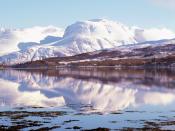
x,y
69,99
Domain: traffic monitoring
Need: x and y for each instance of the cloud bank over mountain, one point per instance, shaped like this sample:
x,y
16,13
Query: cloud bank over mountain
x,y
10,38
153,34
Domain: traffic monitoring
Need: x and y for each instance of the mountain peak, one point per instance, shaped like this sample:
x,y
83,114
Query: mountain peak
x,y
101,28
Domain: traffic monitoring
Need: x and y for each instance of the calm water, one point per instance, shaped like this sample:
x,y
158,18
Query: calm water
x,y
68,99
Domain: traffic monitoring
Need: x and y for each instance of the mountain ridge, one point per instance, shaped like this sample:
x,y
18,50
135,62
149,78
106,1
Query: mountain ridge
x,y
146,55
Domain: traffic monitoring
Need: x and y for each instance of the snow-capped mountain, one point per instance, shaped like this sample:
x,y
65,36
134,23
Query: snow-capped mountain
x,y
82,37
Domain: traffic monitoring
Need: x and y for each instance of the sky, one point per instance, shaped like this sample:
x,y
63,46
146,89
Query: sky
x,y
61,13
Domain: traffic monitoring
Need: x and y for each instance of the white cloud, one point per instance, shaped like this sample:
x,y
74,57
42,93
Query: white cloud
x,y
153,34
165,3
10,38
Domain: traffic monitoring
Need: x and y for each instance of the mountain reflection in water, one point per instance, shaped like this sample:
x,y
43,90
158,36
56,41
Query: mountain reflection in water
x,y
87,90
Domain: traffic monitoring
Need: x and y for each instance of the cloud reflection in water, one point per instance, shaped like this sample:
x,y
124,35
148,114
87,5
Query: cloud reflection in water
x,y
102,90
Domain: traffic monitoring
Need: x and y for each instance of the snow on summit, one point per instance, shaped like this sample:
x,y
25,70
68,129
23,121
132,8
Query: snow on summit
x,y
80,37
101,29
93,35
